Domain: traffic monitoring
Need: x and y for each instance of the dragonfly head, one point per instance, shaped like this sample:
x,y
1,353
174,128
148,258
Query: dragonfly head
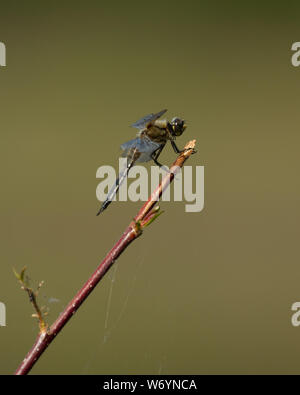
x,y
177,126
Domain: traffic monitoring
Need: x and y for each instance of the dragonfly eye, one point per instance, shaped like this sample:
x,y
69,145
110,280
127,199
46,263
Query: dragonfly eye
x,y
178,126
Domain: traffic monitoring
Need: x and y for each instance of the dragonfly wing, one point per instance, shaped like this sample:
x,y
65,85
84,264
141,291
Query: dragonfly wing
x,y
147,119
126,147
144,157
144,146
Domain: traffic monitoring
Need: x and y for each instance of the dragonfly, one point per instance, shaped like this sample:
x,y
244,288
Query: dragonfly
x,y
153,135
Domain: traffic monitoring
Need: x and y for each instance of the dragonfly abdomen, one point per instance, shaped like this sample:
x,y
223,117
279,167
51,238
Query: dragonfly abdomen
x,y
112,193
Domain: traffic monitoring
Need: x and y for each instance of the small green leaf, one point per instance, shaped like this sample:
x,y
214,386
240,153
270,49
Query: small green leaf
x,y
153,218
17,274
22,273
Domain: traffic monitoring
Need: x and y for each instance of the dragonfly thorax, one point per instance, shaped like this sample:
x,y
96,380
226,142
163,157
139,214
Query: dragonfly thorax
x,y
156,133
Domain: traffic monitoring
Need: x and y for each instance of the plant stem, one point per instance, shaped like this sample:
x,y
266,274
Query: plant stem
x,y
146,214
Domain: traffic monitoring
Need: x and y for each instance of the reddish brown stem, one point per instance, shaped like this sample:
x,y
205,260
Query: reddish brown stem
x,y
131,233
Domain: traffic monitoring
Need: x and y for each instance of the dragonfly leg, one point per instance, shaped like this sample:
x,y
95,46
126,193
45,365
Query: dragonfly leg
x,y
177,150
155,155
157,163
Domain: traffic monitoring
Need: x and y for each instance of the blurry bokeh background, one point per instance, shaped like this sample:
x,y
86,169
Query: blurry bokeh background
x,y
207,292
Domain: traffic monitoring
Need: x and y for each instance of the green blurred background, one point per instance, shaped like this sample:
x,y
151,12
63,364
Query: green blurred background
x,y
207,292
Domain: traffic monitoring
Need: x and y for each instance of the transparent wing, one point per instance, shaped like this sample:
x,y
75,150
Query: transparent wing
x,y
144,146
144,122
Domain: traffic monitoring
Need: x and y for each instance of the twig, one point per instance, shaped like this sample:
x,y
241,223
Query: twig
x,y
32,295
147,214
